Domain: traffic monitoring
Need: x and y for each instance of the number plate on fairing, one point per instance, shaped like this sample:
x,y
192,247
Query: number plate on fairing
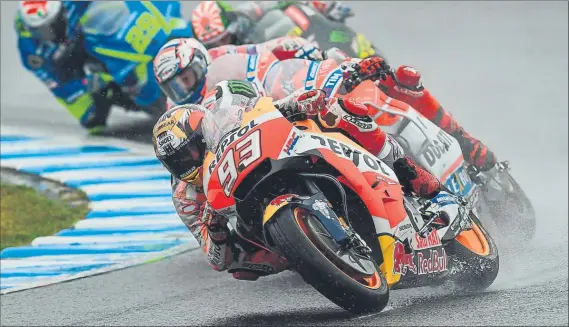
x,y
460,183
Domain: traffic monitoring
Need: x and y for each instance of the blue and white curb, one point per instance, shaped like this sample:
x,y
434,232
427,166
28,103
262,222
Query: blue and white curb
x,y
131,219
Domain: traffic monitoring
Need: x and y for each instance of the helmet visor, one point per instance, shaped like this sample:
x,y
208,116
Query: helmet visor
x,y
56,31
184,161
182,86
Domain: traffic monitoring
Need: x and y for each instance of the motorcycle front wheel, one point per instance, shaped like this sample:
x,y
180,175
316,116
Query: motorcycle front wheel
x,y
474,256
332,271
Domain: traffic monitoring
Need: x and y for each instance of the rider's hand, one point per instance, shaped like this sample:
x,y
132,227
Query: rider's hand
x,y
309,51
356,71
304,103
296,47
311,102
215,223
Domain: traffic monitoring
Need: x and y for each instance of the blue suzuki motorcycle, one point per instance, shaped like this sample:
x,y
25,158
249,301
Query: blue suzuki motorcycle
x,y
121,40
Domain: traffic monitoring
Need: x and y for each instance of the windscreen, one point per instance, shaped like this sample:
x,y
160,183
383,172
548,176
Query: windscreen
x,y
219,121
105,17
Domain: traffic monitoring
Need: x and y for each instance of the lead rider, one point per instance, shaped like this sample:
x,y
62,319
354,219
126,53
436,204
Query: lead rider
x,y
178,139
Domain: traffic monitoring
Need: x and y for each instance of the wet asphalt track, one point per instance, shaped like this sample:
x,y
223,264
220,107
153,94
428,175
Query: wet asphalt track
x,y
501,68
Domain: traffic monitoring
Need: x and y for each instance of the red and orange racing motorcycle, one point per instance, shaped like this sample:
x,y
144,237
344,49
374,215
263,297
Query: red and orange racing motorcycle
x,y
336,212
495,195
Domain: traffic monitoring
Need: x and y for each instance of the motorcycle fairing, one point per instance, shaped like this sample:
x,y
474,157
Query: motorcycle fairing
x,y
430,146
125,36
375,182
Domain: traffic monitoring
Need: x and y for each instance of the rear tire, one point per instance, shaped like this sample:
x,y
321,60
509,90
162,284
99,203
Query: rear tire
x,y
319,271
515,212
474,271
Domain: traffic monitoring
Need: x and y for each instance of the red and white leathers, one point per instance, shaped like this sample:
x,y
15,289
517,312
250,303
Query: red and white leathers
x,y
405,84
242,61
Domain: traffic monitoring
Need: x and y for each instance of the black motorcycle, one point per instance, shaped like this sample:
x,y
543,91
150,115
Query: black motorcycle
x,y
304,21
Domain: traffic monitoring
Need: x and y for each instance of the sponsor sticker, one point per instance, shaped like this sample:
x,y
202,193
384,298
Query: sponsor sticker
x,y
290,143
427,262
402,261
429,241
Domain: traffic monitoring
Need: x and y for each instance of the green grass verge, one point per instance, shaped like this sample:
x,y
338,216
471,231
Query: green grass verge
x,y
26,214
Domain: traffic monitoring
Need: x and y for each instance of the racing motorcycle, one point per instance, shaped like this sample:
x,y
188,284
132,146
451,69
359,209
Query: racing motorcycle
x,y
335,212
301,20
121,39
494,194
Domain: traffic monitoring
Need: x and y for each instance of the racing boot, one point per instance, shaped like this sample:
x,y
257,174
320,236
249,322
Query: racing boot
x,y
415,179
405,85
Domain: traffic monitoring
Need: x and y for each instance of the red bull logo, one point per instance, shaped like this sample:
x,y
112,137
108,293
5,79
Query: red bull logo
x,y
403,261
434,263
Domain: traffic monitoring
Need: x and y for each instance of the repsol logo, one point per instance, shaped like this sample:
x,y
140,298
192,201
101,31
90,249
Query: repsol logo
x,y
350,153
435,150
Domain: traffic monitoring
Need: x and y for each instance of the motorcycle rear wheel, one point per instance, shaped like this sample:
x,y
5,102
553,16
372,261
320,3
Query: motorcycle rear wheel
x,y
515,212
297,234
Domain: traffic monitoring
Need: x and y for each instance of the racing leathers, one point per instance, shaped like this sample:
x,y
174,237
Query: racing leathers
x,y
253,61
404,84
210,228
58,66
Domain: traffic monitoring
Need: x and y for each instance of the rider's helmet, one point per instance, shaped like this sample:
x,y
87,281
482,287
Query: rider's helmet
x,y
180,69
46,20
213,23
178,141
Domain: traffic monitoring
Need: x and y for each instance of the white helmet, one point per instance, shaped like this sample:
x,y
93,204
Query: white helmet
x,y
45,18
180,68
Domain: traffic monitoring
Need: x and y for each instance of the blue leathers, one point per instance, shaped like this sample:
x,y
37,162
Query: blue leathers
x,y
117,40
56,65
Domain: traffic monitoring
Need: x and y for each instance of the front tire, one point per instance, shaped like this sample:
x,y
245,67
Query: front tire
x,y
297,238
474,257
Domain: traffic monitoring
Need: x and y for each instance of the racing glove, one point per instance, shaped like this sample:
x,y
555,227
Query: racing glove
x,y
356,70
296,48
215,223
301,104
